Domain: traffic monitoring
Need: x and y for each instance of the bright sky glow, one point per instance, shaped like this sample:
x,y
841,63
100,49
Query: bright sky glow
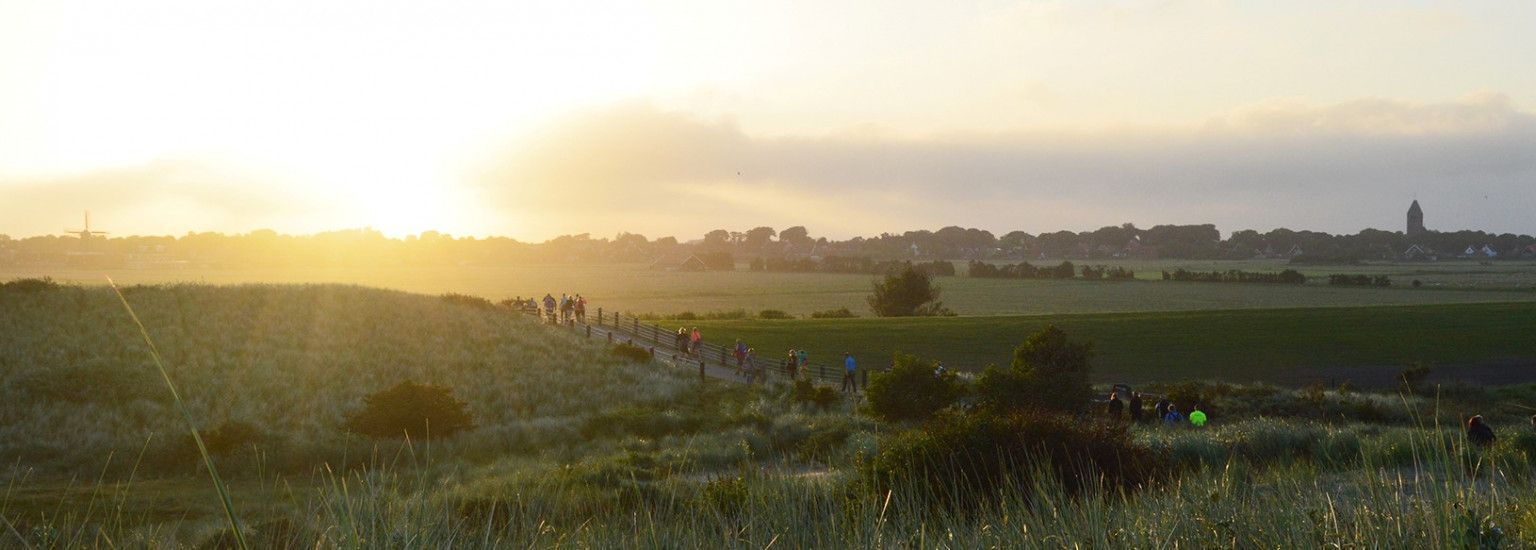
x,y
167,116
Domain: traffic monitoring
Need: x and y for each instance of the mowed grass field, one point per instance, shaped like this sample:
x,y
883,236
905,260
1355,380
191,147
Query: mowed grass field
x,y
632,288
1489,343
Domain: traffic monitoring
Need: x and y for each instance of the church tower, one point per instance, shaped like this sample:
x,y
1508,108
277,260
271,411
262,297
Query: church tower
x,y
1415,219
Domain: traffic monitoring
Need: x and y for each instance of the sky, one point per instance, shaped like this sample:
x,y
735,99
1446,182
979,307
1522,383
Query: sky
x,y
534,119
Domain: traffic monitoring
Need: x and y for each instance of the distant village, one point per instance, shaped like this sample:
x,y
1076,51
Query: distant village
x,y
721,249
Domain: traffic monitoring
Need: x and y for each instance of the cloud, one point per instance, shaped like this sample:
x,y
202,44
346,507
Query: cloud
x,y
168,196
1339,167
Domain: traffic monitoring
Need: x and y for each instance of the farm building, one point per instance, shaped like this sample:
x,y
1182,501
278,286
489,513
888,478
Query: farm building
x,y
680,262
1419,252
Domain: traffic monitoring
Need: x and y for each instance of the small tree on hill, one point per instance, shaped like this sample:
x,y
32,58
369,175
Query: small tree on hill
x,y
411,409
906,293
1049,372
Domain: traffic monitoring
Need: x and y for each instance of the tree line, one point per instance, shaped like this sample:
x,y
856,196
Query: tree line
x,y
790,249
1289,276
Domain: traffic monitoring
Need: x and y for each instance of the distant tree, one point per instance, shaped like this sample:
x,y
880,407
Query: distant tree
x,y
718,236
756,237
666,241
797,235
907,293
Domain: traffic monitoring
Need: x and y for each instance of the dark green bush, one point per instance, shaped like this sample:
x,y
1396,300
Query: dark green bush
x,y
411,409
773,314
1049,372
632,352
960,460
912,390
823,397
840,313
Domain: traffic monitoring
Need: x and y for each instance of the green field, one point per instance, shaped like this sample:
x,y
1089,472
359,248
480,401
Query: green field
x,y
634,289
1482,342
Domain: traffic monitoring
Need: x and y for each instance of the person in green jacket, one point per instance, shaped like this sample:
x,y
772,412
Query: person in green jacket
x,y
1197,417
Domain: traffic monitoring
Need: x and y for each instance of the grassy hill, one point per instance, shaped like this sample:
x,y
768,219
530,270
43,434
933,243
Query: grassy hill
x,y
290,360
1485,342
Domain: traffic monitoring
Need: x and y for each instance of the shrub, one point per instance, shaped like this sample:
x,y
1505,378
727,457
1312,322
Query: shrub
x,y
91,380
840,313
961,459
411,409
822,397
1048,372
912,390
1412,378
773,314
467,300
632,352
908,293
29,286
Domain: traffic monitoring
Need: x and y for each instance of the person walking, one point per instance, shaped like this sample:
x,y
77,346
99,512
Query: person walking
x,y
549,307
1478,431
581,309
791,364
805,363
740,351
694,340
751,366
849,368
1116,407
681,340
1197,417
1161,409
1136,406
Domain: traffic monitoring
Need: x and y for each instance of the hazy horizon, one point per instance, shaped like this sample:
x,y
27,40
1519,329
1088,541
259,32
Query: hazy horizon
x,y
533,119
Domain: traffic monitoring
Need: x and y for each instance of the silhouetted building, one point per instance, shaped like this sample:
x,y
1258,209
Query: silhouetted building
x,y
1415,219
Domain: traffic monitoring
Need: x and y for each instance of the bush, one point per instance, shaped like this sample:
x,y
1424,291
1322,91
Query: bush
x,y
960,460
29,286
911,390
840,313
467,300
822,397
632,352
773,314
1048,372
905,294
411,409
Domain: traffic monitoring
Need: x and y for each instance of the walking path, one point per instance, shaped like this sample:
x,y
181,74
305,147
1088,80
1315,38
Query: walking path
x,y
710,360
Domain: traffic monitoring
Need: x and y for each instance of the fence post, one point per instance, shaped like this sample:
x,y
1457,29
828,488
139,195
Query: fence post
x,y
610,337
701,371
589,331
655,333
722,356
637,326
599,316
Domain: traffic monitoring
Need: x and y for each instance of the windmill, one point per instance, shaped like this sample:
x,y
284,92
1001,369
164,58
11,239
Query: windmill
x,y
85,234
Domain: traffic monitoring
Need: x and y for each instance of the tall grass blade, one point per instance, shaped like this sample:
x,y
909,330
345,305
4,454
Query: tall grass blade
x,y
213,472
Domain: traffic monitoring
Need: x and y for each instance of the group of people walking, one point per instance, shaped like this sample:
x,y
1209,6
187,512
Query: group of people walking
x,y
689,341
1164,411
566,310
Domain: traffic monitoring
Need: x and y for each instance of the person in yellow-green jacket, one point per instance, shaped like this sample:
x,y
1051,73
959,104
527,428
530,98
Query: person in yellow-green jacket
x,y
1197,417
